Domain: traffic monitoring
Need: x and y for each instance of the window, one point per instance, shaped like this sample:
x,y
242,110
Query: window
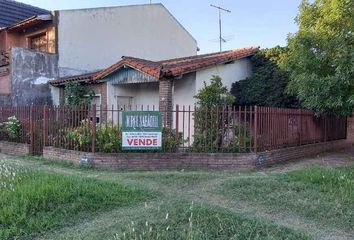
x,y
39,42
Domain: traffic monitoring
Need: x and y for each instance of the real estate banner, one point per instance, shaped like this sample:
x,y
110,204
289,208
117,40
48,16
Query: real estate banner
x,y
141,130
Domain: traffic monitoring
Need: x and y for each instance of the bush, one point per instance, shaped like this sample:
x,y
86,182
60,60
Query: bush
x,y
81,137
12,128
109,140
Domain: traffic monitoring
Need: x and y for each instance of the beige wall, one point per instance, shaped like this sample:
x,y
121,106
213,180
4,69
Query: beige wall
x,y
92,39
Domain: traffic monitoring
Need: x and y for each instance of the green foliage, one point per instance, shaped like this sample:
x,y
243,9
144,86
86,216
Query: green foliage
x,y
77,94
11,128
211,100
109,138
214,95
170,143
81,137
40,201
267,85
321,56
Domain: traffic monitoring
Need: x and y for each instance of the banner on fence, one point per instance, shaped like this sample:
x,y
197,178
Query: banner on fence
x,y
141,130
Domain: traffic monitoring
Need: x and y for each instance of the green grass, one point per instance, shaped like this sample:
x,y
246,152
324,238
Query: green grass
x,y
47,200
325,195
39,201
200,221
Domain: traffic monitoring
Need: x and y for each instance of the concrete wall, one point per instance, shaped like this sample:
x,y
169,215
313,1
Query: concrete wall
x,y
229,73
92,39
30,71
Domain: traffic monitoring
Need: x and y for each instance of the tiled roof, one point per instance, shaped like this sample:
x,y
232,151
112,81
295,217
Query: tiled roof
x,y
167,68
12,12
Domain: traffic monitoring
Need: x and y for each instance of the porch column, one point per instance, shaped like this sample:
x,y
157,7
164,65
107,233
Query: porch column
x,y
165,101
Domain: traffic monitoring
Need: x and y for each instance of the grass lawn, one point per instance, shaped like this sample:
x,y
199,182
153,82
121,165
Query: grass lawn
x,y
36,201
324,195
54,201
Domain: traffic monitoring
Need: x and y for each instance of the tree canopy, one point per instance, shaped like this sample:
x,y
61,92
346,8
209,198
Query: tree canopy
x,y
267,85
321,56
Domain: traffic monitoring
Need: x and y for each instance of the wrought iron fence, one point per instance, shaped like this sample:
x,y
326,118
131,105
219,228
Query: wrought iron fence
x,y
218,129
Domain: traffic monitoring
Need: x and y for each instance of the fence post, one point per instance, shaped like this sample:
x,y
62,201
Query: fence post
x,y
93,128
177,122
45,125
31,130
255,128
325,129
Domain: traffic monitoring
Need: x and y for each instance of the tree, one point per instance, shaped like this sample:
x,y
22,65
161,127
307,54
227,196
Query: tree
x,y
267,85
321,56
77,94
214,95
208,119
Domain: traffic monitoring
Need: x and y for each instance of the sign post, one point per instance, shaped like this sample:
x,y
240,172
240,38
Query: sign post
x,y
141,130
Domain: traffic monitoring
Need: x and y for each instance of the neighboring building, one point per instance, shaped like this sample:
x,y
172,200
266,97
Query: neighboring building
x,y
55,44
12,33
135,81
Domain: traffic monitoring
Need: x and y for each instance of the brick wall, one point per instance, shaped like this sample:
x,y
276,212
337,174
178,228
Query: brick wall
x,y
165,100
171,161
14,148
292,153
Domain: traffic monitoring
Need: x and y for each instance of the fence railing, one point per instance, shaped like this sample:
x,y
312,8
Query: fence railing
x,y
217,129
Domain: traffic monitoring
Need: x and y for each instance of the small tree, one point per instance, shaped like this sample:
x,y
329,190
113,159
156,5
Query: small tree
x,y
208,122
77,94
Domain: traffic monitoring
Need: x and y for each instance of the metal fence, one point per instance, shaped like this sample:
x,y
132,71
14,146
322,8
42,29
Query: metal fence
x,y
217,129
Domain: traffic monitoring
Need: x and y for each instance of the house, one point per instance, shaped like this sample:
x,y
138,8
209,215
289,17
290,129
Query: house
x,y
136,81
40,45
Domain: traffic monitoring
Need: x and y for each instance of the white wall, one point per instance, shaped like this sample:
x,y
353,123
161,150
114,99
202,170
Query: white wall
x,y
184,90
229,73
142,94
92,39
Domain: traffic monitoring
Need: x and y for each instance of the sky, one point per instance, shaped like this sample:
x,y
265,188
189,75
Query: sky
x,y
264,23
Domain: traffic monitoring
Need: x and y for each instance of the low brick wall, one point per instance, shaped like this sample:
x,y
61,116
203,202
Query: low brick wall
x,y
171,161
12,148
156,161
293,153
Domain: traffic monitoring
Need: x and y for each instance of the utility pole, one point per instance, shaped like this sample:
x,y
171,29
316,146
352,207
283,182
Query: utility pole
x,y
225,10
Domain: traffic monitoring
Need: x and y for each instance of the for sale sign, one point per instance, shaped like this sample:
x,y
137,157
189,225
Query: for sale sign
x,y
141,130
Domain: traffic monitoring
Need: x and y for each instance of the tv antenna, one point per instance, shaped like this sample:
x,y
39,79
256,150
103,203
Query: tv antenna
x,y
221,39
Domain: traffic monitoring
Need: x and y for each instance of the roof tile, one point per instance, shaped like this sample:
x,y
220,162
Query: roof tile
x,y
167,68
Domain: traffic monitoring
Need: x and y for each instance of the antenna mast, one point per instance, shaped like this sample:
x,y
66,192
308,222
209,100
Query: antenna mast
x,y
225,10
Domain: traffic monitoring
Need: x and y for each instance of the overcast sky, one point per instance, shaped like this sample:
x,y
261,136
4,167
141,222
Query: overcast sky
x,y
251,22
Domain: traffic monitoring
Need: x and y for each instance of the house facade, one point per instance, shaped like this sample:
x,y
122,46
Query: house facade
x,y
161,84
50,45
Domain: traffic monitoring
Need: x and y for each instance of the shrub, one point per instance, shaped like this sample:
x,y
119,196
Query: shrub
x,y
108,138
12,128
81,137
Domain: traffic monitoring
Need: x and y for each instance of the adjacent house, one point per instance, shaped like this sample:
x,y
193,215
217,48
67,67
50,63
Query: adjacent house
x,y
37,45
163,84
